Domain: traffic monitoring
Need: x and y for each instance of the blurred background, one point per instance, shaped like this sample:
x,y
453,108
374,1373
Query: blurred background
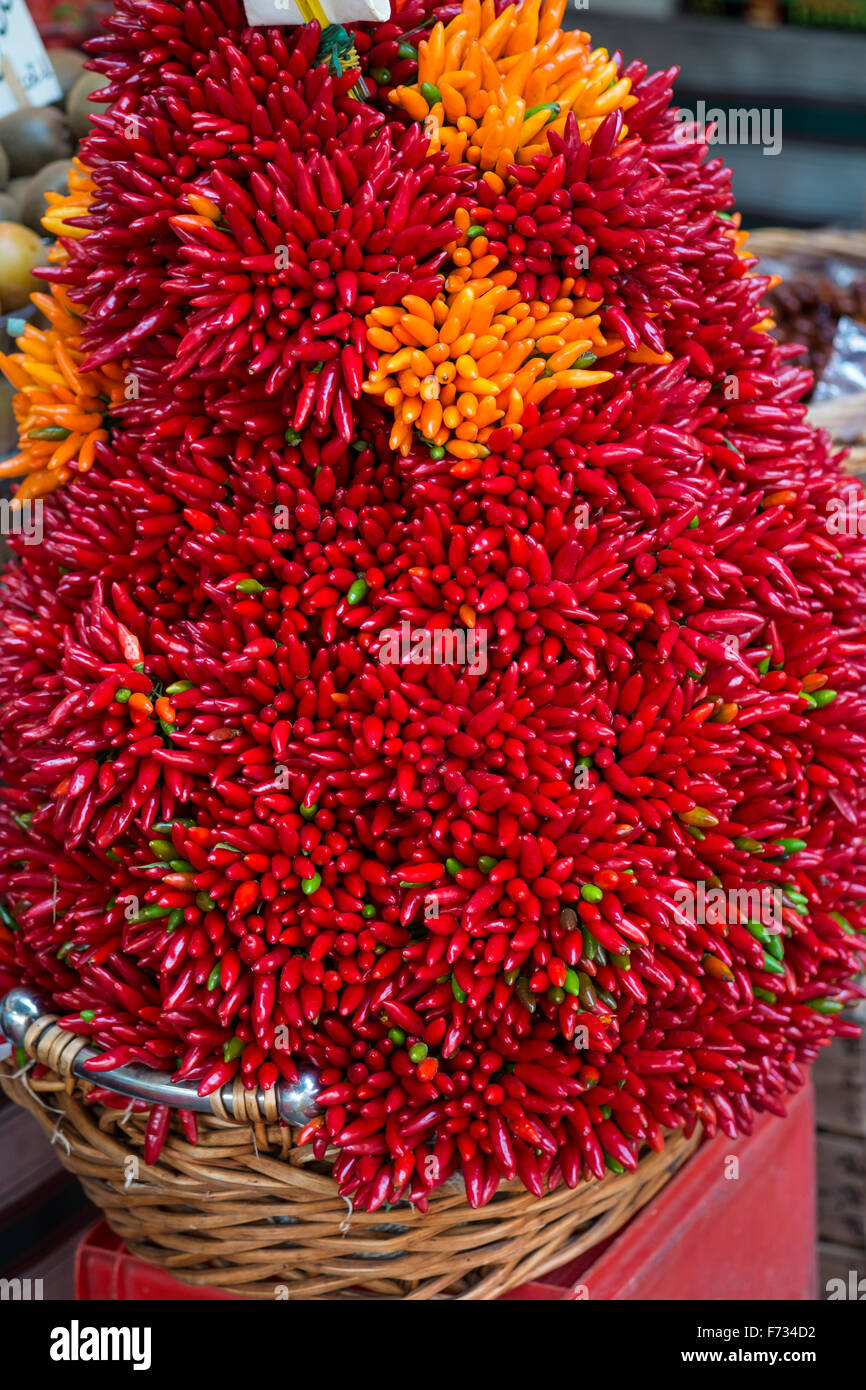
x,y
806,58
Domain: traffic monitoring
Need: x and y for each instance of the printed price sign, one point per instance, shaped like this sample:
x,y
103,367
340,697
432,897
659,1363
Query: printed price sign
x,y
26,75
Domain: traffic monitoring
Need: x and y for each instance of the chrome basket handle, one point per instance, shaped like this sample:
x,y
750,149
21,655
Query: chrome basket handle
x,y
26,1021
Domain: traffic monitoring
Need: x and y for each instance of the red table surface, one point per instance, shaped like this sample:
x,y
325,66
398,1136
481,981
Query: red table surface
x,y
737,1222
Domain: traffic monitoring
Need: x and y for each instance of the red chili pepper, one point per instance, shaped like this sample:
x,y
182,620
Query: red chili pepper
x,y
155,1132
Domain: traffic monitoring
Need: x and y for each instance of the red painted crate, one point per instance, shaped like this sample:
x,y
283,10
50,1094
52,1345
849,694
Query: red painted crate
x,y
705,1236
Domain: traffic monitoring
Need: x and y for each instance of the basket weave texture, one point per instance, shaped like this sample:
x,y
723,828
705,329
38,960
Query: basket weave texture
x,y
247,1211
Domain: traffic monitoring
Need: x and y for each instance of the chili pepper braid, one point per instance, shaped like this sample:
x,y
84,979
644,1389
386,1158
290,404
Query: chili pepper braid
x,y
438,668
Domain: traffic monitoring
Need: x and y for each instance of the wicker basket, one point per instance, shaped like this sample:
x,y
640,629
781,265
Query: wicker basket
x,y
811,247
218,1213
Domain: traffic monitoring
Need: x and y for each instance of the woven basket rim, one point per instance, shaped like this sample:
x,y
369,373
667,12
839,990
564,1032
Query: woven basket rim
x,y
249,1212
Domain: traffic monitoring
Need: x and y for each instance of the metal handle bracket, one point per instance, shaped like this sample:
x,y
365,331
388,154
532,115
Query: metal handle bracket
x,y
26,1020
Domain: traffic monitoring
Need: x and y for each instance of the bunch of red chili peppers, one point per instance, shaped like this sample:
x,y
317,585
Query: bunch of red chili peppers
x,y
234,838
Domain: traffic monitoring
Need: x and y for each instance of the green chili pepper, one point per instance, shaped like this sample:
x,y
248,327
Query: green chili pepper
x,y
50,432
843,923
151,913
430,93
454,866
552,106
121,695
397,1036
368,911
310,885
826,1006
459,994
791,846
591,893
233,1048
772,966
759,932
163,849
213,978
357,592
417,1052
249,586
88,1015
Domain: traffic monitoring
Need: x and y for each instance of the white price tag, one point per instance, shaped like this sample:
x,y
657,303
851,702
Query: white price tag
x,y
26,75
302,11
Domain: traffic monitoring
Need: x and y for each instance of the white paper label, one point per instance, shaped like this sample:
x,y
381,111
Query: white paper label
x,y
26,75
335,11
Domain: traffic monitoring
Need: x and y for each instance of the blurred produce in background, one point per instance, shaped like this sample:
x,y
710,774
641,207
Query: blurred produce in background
x,y
37,146
808,310
67,23
825,14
